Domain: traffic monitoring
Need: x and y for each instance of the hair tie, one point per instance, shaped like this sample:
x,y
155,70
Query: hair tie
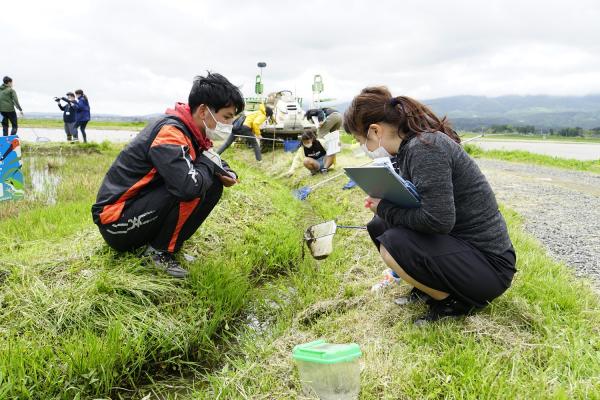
x,y
394,102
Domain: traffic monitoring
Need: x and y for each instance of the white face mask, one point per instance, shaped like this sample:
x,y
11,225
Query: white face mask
x,y
221,131
377,153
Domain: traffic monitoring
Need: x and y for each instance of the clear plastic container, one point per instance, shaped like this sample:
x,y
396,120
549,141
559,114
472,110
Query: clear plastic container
x,y
329,371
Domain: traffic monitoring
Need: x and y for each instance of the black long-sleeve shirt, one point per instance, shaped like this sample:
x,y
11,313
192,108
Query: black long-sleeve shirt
x,y
456,198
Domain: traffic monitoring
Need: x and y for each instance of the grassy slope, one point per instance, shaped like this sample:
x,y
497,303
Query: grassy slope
x,y
78,318
540,340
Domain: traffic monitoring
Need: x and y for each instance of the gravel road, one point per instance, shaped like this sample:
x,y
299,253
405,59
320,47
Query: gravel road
x,y
561,208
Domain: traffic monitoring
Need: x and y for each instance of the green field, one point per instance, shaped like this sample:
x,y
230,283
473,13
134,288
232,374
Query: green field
x,y
93,124
513,137
81,321
532,158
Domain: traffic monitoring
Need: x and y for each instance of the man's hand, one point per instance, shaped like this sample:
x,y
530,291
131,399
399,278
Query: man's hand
x,y
227,181
371,203
22,115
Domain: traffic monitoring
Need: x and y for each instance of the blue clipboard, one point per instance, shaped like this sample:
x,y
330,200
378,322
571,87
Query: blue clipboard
x,y
382,183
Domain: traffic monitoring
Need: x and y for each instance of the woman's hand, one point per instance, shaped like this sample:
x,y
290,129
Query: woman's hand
x,y
372,203
227,181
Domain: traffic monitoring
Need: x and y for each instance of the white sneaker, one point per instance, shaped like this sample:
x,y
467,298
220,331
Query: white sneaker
x,y
387,281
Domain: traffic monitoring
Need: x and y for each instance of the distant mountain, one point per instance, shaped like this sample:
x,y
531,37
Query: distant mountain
x,y
467,112
474,112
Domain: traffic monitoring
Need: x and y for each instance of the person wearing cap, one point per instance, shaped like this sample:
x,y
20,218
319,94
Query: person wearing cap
x,y
69,115
8,103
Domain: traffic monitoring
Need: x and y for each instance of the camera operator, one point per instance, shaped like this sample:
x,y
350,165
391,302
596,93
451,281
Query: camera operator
x,y
69,115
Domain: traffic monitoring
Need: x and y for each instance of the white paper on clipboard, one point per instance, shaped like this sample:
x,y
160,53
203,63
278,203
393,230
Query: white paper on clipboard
x,y
216,159
315,121
332,143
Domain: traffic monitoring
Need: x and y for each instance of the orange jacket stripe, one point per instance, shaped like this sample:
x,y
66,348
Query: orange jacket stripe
x,y
185,210
169,134
112,212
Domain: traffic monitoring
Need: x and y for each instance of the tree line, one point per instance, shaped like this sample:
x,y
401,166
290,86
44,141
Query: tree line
x,y
532,130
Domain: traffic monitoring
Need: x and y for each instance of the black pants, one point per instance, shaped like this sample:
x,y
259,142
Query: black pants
x,y
12,117
160,220
242,131
446,263
81,125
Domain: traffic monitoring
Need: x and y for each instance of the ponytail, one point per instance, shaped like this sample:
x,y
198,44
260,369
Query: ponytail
x,y
418,118
376,104
80,92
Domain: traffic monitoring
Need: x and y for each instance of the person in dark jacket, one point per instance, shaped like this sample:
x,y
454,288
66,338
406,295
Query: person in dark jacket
x,y
454,249
69,115
83,113
8,102
249,127
328,120
165,182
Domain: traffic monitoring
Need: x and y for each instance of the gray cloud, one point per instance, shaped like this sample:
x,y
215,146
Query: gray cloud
x,y
138,57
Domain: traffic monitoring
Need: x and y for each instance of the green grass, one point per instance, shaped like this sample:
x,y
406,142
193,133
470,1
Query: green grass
x,y
93,124
78,320
532,158
536,137
538,341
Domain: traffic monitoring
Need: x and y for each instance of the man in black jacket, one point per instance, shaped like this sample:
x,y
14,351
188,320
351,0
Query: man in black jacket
x,y
69,114
163,185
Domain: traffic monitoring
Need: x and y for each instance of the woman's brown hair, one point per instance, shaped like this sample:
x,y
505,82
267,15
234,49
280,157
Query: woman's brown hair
x,y
375,105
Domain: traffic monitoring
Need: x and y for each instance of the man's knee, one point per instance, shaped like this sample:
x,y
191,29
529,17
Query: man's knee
x,y
214,193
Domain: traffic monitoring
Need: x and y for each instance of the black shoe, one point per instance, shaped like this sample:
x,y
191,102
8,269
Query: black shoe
x,y
165,261
449,308
415,296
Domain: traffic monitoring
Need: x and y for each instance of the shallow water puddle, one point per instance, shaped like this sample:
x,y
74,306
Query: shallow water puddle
x,y
44,178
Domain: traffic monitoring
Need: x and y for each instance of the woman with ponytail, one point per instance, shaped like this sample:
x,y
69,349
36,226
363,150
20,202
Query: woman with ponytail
x,y
83,113
454,250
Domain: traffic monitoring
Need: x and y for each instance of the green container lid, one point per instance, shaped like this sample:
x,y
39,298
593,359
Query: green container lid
x,y
322,352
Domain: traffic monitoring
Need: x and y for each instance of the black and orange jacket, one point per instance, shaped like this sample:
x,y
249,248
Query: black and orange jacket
x,y
163,153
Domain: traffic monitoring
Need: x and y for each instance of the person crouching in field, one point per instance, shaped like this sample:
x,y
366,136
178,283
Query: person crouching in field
x,y
455,249
162,186
315,155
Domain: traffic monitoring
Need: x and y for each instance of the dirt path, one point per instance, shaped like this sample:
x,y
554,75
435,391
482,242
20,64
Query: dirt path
x,y
560,207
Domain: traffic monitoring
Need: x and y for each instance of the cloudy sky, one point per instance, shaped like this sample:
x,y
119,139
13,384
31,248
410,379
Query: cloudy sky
x,y
138,57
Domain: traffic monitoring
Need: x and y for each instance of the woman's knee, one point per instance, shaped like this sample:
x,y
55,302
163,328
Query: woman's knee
x,y
376,227
386,256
